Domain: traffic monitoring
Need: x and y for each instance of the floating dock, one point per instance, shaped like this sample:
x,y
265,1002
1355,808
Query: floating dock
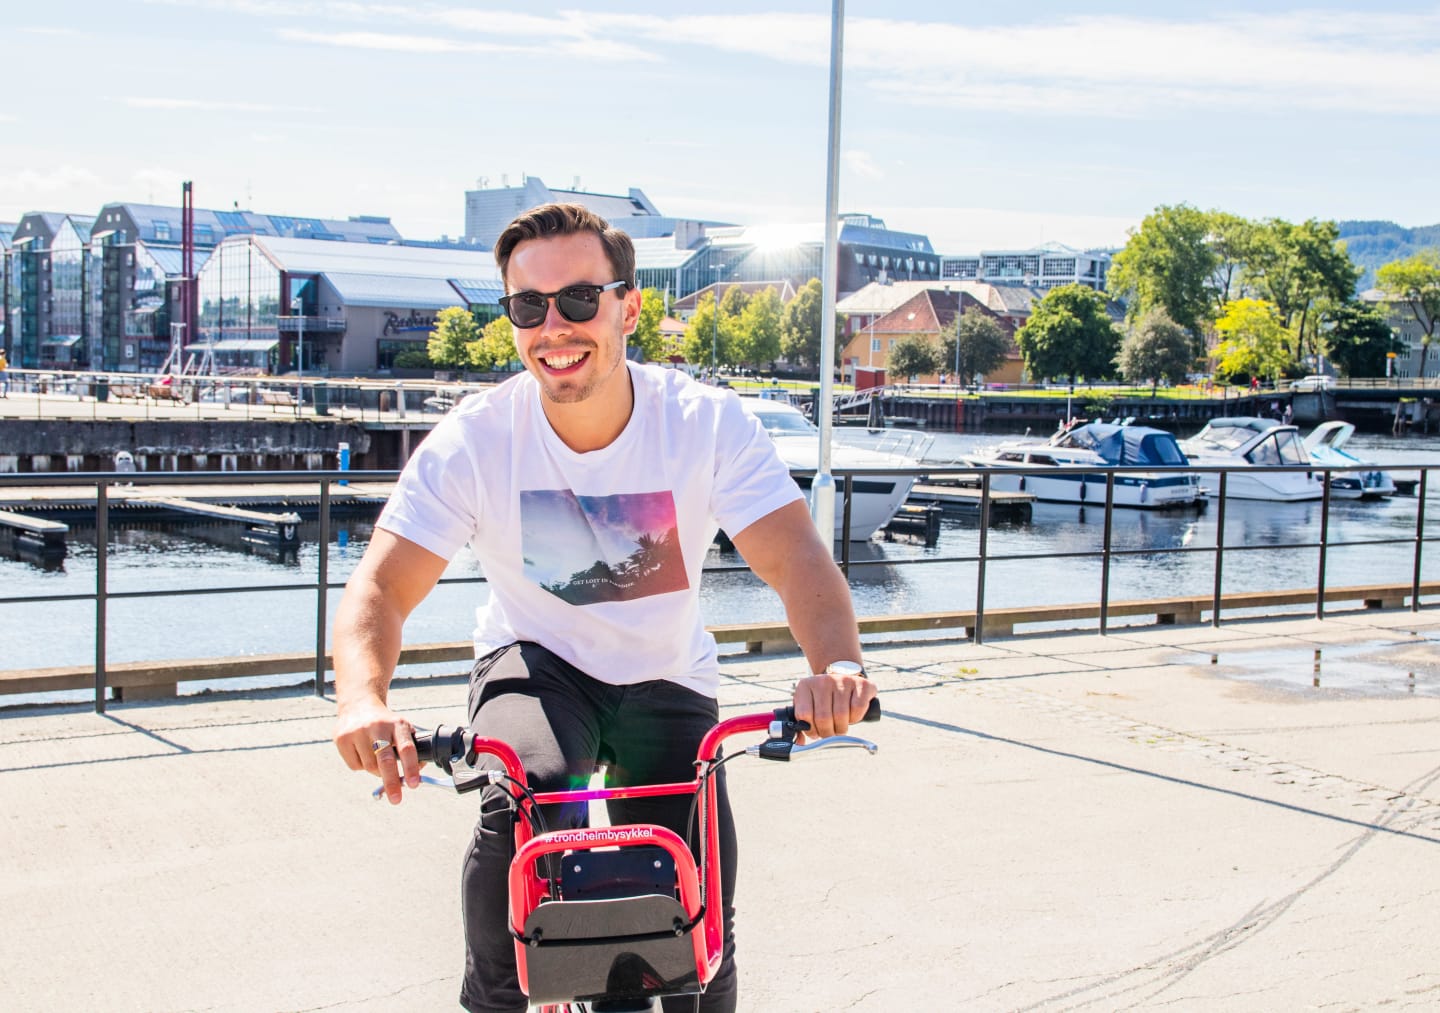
x,y
36,538
1005,507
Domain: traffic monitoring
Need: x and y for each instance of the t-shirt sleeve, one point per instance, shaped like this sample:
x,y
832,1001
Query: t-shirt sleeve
x,y
436,500
750,478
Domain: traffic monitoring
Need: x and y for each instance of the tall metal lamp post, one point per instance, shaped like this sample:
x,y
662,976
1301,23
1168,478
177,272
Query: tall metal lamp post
x,y
297,306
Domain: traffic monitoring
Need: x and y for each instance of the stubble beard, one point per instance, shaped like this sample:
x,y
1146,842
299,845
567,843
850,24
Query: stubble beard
x,y
567,391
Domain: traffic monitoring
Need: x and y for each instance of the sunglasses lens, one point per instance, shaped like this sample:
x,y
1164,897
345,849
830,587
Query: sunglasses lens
x,y
578,303
526,309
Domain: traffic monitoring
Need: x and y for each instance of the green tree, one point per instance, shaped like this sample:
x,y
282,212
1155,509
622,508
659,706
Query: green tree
x,y
732,306
1359,339
1169,263
913,355
701,333
800,325
647,330
495,347
983,345
455,327
1302,270
1231,239
1069,334
757,335
1253,339
1156,348
1414,284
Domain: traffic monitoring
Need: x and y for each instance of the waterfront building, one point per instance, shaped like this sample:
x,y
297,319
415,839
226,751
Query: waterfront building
x,y
139,252
55,290
347,307
878,315
1401,319
1045,267
488,210
867,251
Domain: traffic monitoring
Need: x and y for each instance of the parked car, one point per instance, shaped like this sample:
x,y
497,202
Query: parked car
x,y
1314,382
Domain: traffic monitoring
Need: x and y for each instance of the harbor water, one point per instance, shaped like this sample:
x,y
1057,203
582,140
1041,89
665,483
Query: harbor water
x,y
886,577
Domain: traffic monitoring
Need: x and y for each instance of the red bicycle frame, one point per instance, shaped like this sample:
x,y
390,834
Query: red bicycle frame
x,y
698,882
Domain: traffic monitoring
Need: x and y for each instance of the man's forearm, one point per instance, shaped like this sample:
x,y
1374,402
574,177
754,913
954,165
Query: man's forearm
x,y
368,637
820,612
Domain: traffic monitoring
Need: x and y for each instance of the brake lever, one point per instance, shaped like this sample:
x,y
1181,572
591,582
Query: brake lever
x,y
784,748
430,779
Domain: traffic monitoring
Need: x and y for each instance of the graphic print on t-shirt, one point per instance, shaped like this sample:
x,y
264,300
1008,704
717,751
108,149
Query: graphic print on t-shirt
x,y
589,549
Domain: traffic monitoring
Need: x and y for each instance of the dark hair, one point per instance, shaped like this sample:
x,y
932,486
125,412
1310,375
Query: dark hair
x,y
565,220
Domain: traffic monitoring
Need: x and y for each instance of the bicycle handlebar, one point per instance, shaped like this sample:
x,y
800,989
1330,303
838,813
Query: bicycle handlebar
x,y
444,745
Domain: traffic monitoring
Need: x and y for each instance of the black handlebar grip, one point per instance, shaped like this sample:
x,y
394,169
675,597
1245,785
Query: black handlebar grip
x,y
442,746
425,745
872,713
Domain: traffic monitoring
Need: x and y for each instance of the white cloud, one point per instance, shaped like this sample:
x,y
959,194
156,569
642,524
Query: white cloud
x,y
862,163
1101,65
205,105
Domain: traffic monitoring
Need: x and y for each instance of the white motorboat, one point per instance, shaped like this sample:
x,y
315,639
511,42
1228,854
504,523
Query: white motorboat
x,y
1097,443
1256,448
1324,445
877,495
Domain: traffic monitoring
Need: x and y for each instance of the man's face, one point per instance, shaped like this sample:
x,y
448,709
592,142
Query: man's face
x,y
573,361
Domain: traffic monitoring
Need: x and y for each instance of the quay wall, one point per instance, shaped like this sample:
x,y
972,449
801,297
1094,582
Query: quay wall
x,y
44,445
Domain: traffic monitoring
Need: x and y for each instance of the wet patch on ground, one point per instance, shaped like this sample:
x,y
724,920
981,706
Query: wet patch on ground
x,y
1404,668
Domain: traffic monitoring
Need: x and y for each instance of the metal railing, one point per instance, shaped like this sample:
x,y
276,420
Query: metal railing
x,y
321,586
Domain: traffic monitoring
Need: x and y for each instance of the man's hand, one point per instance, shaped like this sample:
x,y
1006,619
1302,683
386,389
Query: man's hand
x,y
830,704
370,736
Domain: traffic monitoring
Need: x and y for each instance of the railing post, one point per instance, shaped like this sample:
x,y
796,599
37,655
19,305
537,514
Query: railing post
x,y
1105,553
1324,545
849,491
980,565
1219,550
322,581
102,539
1419,539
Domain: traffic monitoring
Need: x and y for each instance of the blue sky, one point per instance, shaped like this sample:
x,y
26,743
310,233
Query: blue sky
x,y
982,125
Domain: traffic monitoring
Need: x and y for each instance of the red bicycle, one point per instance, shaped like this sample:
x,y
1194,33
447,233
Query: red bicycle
x,y
627,916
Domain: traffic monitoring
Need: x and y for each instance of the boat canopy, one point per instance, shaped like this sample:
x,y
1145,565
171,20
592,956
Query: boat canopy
x,y
1126,444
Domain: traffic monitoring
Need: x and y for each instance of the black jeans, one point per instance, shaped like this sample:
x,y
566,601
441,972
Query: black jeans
x,y
559,720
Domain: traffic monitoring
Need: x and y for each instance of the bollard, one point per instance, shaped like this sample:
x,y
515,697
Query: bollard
x,y
344,461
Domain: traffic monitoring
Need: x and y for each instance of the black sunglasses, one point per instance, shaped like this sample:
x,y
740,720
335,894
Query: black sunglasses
x,y
576,303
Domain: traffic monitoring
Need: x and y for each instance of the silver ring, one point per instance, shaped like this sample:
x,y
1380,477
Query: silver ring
x,y
379,745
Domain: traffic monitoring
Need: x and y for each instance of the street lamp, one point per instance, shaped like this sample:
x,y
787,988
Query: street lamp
x,y
297,307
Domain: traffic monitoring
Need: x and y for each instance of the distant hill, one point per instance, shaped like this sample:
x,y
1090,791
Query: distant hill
x,y
1372,244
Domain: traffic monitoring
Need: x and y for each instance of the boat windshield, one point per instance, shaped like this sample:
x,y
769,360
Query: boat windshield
x,y
1225,437
1284,447
786,424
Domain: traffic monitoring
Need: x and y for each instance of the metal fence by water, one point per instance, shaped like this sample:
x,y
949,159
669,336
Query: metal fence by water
x,y
96,489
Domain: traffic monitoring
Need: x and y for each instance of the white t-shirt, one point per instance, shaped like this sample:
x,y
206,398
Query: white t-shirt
x,y
597,556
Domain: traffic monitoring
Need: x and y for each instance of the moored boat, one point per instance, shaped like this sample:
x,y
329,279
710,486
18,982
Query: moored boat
x,y
877,496
1097,443
1325,446
1257,449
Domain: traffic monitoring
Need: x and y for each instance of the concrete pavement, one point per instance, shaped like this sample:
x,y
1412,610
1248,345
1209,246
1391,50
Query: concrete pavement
x,y
1171,817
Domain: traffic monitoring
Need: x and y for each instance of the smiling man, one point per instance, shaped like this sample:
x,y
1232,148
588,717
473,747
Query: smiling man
x,y
589,489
